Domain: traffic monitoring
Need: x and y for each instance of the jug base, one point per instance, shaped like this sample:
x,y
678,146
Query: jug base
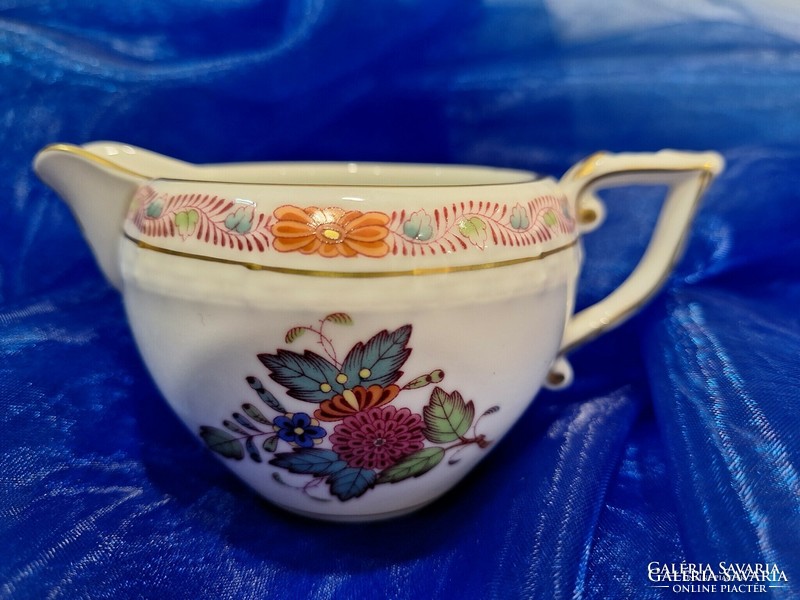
x,y
364,518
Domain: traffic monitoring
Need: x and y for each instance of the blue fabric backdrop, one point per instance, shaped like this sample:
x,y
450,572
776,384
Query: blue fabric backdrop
x,y
680,440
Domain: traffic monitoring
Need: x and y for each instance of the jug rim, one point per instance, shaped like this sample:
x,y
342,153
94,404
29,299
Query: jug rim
x,y
289,173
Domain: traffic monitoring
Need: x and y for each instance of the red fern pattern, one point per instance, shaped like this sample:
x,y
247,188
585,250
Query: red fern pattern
x,y
204,217
481,224
453,227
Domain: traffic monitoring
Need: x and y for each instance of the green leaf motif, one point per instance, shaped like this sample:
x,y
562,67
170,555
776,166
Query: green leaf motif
x,y
414,465
339,318
474,229
447,416
293,334
433,377
186,221
222,442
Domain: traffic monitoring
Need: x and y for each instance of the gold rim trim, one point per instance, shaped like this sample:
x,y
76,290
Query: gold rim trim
x,y
587,216
355,274
590,164
530,176
91,156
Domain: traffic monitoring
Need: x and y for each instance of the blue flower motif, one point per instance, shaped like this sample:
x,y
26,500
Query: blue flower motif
x,y
298,429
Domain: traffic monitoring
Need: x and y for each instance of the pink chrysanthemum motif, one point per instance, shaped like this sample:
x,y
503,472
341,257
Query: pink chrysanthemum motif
x,y
378,438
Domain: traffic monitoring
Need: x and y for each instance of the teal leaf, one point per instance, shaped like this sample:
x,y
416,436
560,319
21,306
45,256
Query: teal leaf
x,y
307,377
255,414
154,209
447,416
234,427
222,442
519,217
240,221
270,444
378,362
419,226
413,465
351,482
242,420
310,461
267,396
252,450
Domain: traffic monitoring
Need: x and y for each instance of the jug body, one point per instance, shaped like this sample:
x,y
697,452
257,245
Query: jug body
x,y
378,340
351,339
344,398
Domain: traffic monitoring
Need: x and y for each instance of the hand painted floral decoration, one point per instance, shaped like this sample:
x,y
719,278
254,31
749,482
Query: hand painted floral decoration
x,y
335,233
353,438
330,231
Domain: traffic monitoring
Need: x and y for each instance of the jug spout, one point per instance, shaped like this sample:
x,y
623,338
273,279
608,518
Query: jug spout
x,y
98,187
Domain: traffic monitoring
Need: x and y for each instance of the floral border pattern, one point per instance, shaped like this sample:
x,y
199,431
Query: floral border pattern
x,y
356,438
335,232
211,219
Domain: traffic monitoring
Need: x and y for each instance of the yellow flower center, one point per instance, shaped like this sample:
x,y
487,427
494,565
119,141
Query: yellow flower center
x,y
331,234
299,431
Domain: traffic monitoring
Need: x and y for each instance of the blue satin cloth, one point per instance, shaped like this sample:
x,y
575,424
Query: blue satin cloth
x,y
679,441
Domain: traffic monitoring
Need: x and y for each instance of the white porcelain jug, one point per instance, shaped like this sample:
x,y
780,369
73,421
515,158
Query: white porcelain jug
x,y
351,339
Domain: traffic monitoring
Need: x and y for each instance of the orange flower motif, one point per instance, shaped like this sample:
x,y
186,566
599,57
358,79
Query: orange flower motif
x,y
330,231
353,401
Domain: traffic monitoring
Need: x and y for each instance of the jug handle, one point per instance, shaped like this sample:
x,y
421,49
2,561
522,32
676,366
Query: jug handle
x,y
687,175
